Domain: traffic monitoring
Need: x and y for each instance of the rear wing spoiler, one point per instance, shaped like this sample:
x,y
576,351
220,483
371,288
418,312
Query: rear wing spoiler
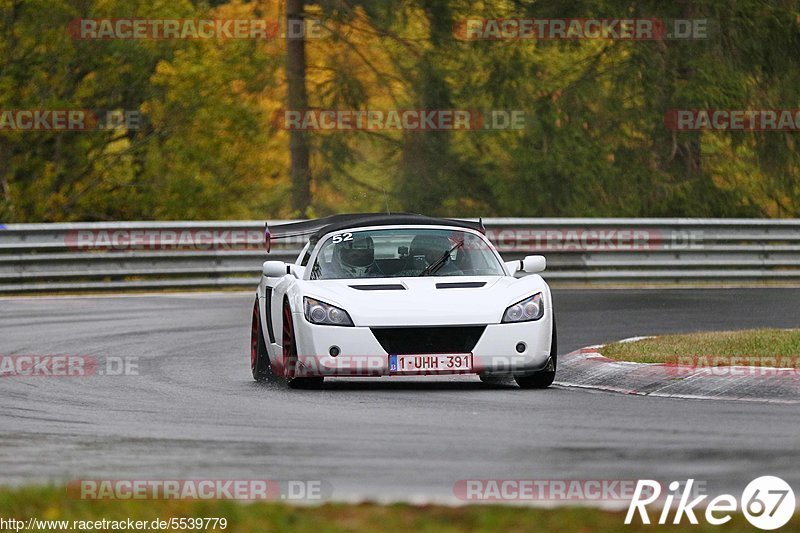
x,y
312,227
301,228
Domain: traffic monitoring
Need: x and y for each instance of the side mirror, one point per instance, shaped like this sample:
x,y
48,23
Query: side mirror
x,y
533,264
530,265
274,269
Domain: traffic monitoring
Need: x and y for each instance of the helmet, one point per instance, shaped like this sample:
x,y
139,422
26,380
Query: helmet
x,y
430,246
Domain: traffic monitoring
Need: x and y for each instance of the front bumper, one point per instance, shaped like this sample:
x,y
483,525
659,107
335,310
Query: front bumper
x,y
360,353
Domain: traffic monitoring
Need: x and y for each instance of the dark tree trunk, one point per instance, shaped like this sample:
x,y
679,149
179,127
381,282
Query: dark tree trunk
x,y
297,99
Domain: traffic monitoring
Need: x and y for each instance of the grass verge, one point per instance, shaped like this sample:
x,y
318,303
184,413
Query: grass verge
x,y
48,503
722,346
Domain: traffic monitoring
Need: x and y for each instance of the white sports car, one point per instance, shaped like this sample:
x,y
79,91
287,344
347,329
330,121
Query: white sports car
x,y
397,295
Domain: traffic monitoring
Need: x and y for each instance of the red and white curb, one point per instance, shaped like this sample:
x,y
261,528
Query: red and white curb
x,y
587,368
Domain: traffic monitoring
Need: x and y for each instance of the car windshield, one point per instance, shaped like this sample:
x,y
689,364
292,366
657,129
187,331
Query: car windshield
x,y
399,252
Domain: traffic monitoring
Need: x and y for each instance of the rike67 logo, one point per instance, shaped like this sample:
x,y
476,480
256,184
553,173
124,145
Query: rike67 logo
x,y
767,503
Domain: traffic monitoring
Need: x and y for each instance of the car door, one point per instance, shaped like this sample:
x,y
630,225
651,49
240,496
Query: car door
x,y
273,291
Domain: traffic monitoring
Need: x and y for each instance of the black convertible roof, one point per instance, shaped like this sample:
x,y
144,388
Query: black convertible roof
x,y
316,228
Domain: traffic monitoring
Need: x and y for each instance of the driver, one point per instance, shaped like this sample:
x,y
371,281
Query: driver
x,y
426,249
354,257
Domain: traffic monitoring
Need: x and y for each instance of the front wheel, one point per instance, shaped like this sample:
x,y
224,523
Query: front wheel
x,y
544,378
290,355
259,359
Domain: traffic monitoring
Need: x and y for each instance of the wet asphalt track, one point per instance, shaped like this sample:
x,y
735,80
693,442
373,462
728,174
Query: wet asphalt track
x,y
194,412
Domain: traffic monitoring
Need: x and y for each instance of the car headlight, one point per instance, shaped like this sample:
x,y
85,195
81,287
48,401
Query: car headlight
x,y
325,314
531,308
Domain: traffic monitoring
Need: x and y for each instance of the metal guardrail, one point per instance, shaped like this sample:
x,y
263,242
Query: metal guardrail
x,y
222,254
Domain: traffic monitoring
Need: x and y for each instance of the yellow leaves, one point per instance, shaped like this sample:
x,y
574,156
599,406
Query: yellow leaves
x,y
358,51
238,86
164,68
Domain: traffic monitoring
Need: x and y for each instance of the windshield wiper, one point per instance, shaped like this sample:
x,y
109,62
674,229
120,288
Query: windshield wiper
x,y
439,263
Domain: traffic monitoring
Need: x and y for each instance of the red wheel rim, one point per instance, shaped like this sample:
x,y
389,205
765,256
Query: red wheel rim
x,y
254,333
289,350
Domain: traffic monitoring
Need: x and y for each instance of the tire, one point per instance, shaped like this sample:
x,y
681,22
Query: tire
x,y
544,378
259,358
290,355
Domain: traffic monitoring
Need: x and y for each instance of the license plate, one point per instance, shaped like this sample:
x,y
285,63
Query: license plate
x,y
430,363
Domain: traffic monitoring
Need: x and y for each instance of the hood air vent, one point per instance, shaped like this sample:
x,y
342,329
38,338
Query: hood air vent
x,y
380,287
461,285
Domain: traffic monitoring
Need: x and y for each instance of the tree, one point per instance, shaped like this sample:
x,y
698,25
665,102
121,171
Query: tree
x,y
297,99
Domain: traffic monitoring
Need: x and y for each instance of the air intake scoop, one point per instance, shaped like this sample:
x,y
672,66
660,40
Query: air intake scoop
x,y
461,285
379,287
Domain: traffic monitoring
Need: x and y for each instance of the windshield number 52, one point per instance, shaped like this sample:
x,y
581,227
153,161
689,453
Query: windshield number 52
x,y
342,237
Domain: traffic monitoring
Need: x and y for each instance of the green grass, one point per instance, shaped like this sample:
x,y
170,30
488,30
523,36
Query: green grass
x,y
755,344
55,504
